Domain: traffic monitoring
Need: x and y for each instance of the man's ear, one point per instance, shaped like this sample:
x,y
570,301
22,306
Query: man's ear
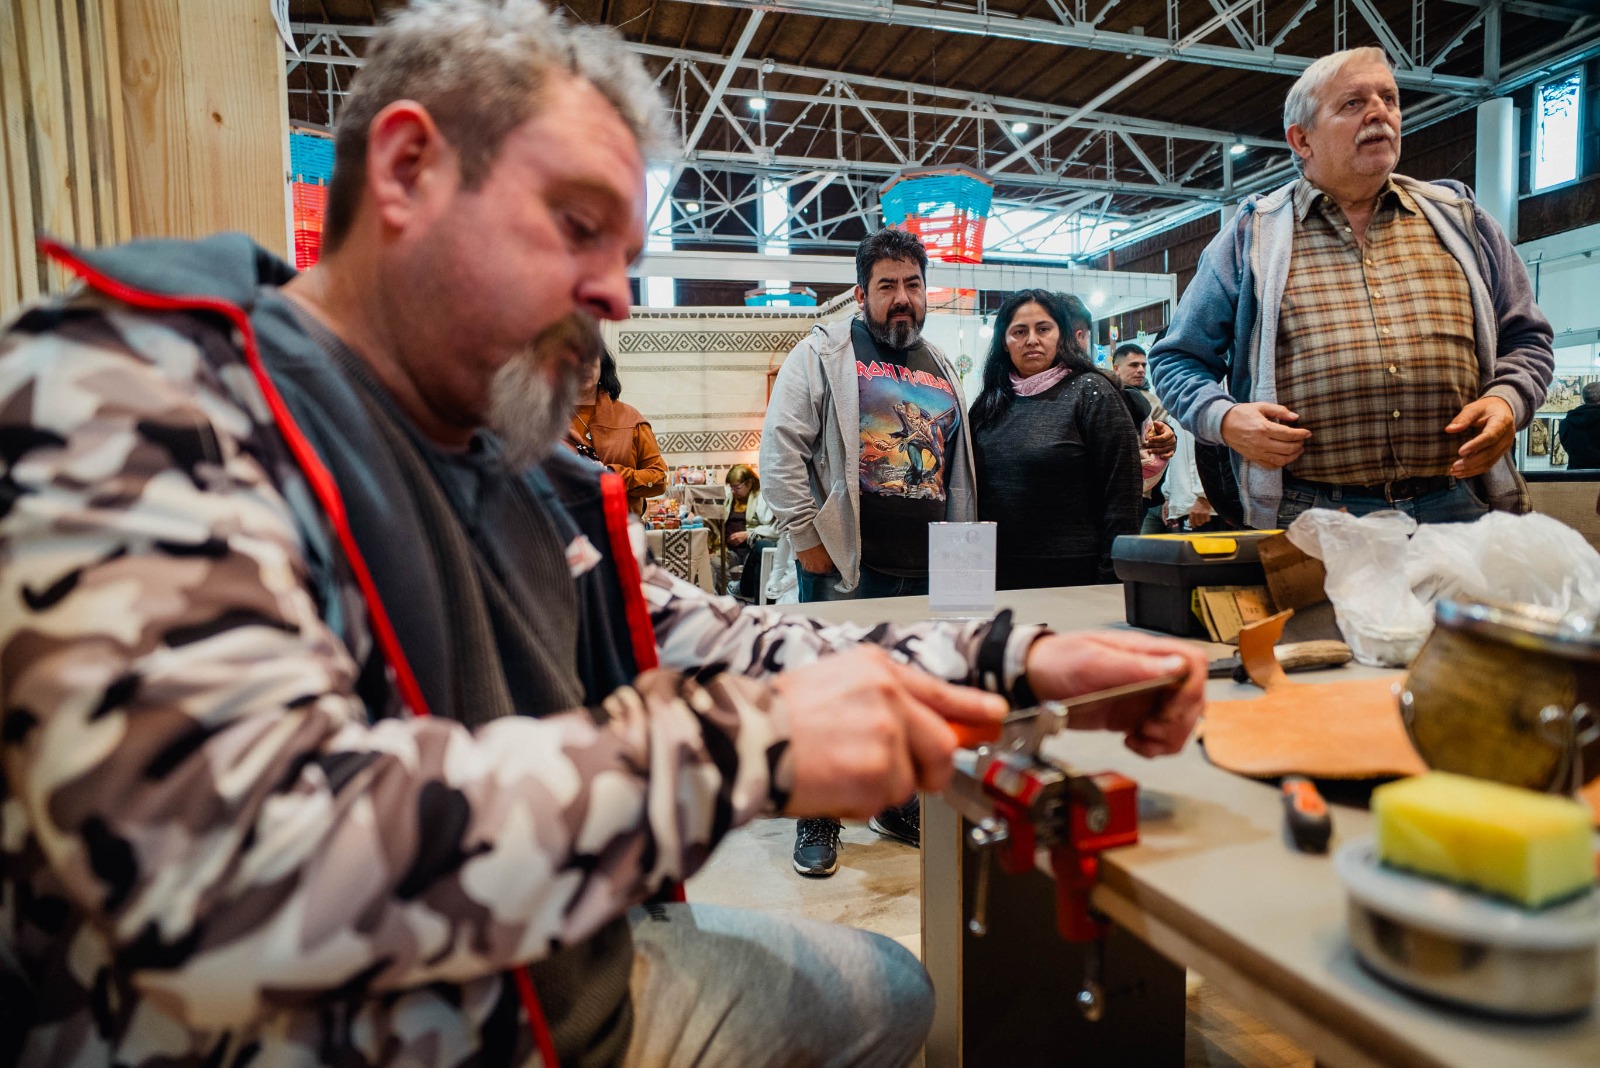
x,y
407,160
861,296
1296,136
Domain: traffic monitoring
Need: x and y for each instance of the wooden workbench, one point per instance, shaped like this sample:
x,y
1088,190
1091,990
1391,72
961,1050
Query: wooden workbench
x,y
1213,887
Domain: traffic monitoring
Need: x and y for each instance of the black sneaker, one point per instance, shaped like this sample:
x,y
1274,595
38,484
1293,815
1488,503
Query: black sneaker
x,y
903,823
816,847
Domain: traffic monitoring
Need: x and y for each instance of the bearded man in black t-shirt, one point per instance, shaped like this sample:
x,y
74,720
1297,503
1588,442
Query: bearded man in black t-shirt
x,y
864,445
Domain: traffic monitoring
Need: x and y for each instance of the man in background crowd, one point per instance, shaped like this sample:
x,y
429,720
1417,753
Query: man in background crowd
x,y
1580,430
1128,362
863,446
1156,437
1394,349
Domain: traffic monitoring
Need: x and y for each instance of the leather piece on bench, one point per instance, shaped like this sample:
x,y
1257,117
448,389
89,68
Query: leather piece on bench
x,y
1332,730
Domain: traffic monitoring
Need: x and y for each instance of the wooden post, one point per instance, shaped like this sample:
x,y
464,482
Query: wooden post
x,y
63,167
128,118
206,106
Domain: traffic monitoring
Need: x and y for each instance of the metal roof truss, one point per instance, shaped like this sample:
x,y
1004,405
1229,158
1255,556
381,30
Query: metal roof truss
x,y
855,131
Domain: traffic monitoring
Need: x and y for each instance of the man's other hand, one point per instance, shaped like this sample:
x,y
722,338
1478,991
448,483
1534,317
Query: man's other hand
x,y
815,560
1160,440
1067,665
1259,432
866,732
1497,429
738,537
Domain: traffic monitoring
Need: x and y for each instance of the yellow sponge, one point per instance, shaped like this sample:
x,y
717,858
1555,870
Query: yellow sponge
x,y
1529,847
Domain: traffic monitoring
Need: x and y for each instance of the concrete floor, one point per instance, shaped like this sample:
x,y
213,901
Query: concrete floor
x,y
877,888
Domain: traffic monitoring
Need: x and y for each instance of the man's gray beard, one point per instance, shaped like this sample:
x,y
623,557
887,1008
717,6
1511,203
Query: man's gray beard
x,y
898,336
527,413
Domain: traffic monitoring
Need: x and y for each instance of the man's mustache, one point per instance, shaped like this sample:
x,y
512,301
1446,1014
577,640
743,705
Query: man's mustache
x,y
578,333
1376,131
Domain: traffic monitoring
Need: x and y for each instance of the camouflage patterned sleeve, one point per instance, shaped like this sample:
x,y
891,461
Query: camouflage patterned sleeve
x,y
694,627
184,757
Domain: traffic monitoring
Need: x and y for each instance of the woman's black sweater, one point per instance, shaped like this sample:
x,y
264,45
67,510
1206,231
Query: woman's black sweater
x,y
1059,474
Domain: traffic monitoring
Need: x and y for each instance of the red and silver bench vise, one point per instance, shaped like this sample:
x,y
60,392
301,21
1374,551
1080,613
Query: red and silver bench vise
x,y
1019,802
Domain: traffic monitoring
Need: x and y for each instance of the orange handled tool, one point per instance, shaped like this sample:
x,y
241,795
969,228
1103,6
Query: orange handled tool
x,y
972,735
1305,814
1119,708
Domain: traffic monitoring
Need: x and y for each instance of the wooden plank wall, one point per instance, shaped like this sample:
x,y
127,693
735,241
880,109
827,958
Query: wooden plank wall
x,y
137,118
63,156
206,107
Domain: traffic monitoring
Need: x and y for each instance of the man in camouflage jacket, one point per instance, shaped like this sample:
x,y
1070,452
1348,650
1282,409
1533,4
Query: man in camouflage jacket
x,y
253,526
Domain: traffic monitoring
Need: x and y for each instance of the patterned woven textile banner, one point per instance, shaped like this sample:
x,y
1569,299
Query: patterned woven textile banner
x,y
685,553
700,378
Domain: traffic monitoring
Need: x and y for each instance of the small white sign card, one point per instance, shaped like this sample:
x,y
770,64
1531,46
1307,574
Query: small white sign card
x,y
961,568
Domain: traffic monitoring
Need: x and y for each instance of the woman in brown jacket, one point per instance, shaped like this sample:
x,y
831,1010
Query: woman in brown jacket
x,y
605,429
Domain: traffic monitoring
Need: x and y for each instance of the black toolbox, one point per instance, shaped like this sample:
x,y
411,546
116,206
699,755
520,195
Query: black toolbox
x,y
1160,572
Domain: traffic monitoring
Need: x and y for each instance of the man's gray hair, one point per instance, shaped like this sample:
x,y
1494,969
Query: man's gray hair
x,y
1300,106
479,66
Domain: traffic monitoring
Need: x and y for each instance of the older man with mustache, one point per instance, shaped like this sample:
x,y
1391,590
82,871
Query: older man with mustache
x,y
1378,335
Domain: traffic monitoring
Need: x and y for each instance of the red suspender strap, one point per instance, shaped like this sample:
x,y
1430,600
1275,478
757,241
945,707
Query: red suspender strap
x,y
535,1013
614,499
328,496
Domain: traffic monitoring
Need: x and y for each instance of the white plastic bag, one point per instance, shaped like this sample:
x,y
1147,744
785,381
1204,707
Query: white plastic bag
x,y
1383,622
1383,579
1508,559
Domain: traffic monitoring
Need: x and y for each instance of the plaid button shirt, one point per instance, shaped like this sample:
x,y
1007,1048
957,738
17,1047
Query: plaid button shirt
x,y
1376,344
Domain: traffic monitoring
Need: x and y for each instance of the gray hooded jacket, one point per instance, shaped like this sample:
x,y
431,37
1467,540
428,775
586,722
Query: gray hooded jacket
x,y
811,449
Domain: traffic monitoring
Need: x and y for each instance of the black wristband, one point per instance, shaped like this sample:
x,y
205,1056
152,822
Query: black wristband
x,y
1022,695
992,663
992,653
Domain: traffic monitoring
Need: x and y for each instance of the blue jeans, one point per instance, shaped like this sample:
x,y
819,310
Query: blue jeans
x,y
872,584
1458,504
733,988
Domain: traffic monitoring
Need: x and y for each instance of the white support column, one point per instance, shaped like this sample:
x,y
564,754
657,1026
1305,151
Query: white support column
x,y
1496,184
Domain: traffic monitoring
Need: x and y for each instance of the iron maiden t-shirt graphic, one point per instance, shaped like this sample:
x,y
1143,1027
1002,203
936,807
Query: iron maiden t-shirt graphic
x,y
910,432
908,417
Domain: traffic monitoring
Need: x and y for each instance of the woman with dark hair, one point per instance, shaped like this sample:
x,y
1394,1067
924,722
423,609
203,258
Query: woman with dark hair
x,y
605,429
1056,450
